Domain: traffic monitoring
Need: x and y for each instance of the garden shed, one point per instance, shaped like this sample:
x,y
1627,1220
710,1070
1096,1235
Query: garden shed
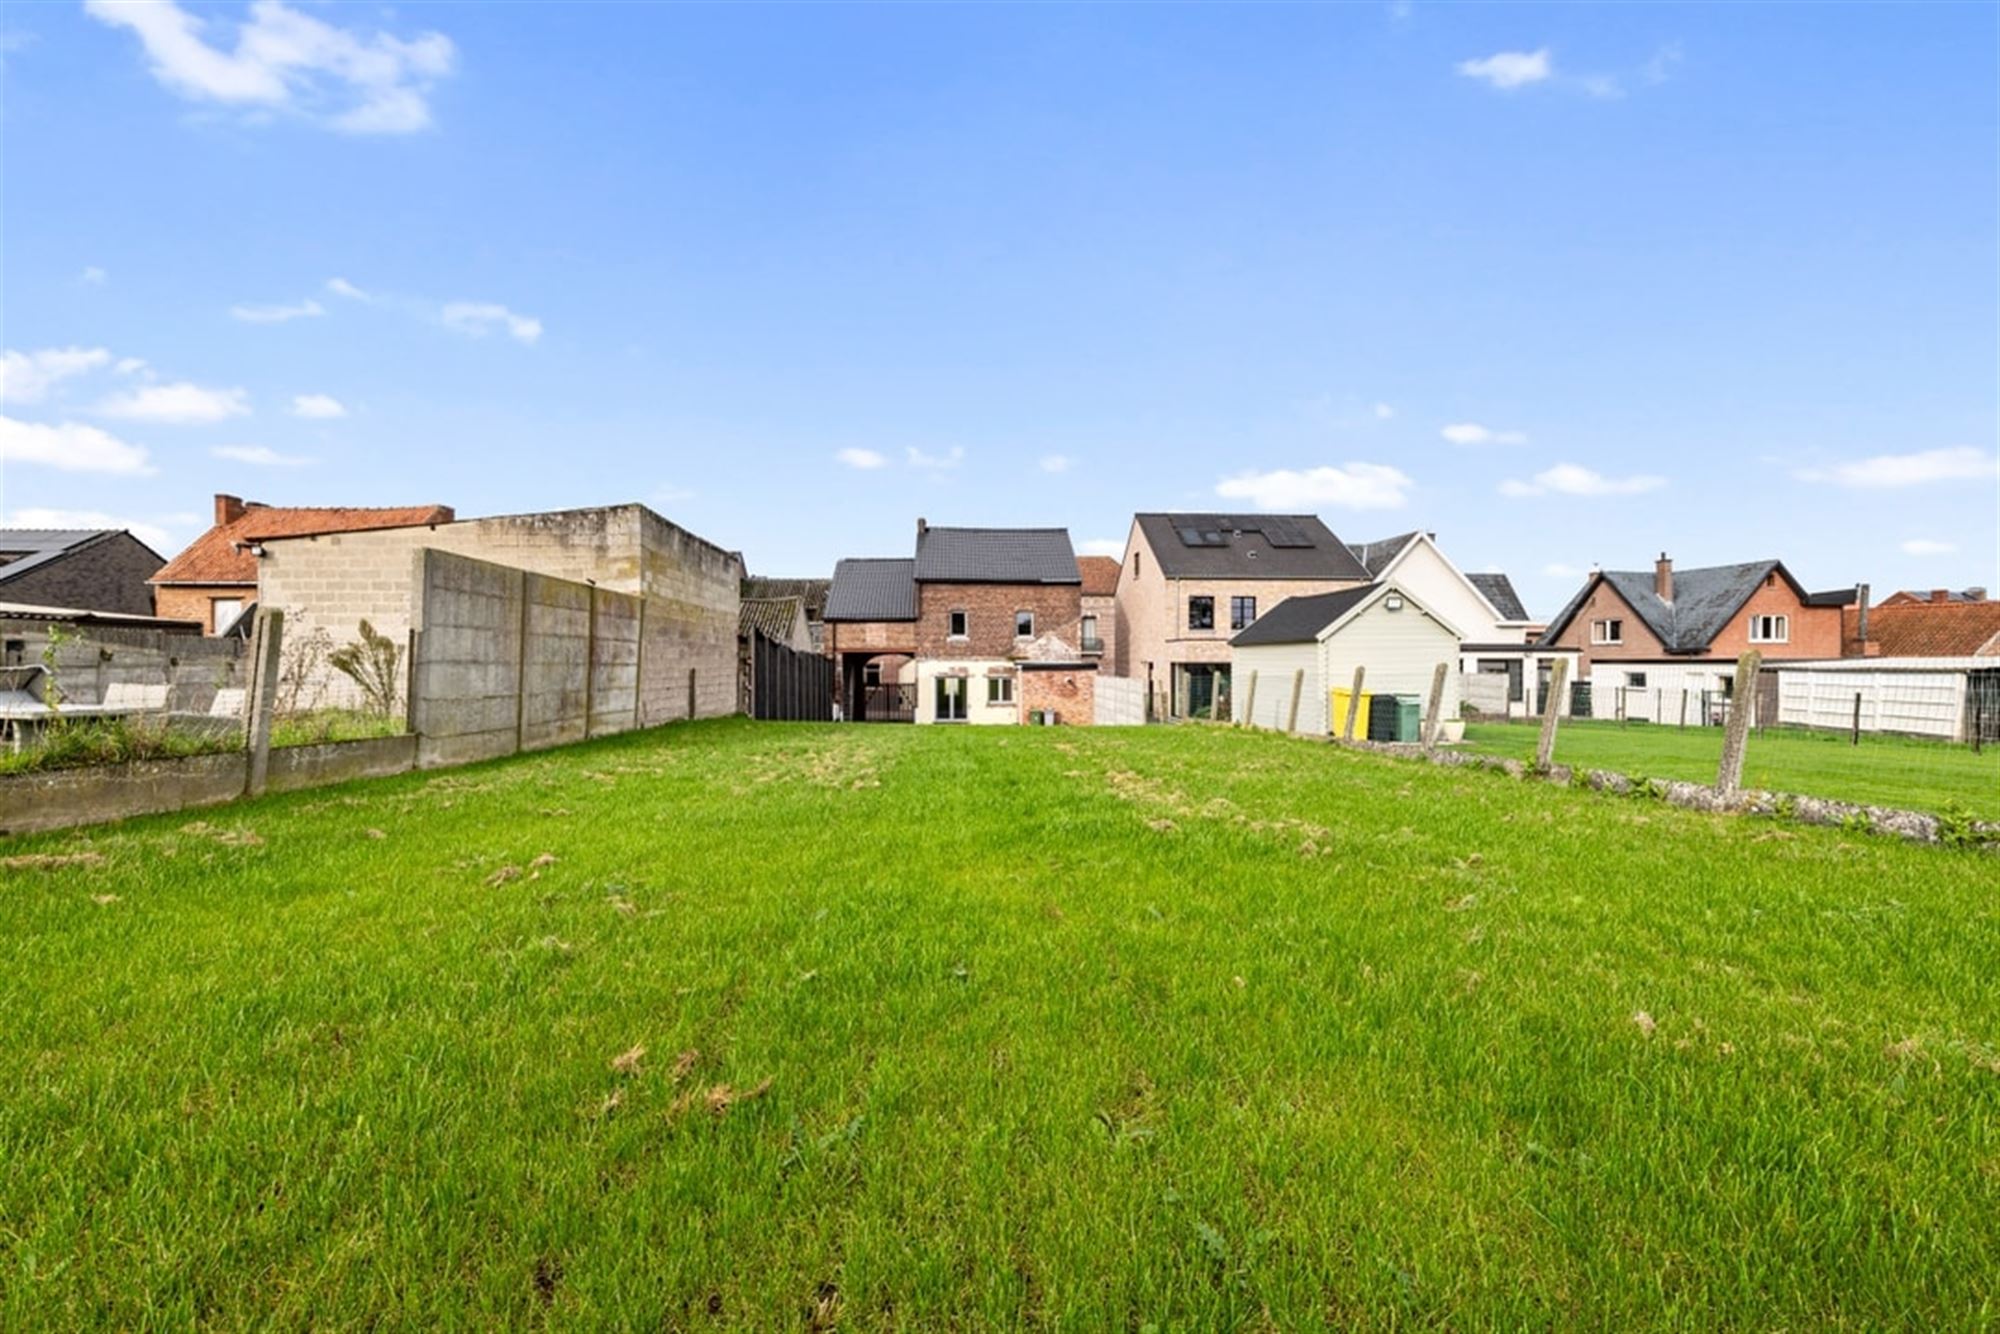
x,y
1318,641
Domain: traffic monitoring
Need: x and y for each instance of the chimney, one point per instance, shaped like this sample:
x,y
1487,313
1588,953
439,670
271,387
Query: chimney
x,y
1975,595
1663,578
922,527
1861,615
228,509
1940,595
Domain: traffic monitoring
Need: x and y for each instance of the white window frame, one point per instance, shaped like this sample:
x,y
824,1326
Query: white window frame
x,y
1771,629
1610,630
1018,614
961,618
999,690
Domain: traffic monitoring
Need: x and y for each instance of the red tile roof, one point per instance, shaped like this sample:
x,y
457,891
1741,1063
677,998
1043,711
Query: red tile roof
x,y
222,554
1100,575
1931,629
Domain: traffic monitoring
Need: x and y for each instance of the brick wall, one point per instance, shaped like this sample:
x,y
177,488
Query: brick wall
x,y
183,603
1604,604
1070,691
990,612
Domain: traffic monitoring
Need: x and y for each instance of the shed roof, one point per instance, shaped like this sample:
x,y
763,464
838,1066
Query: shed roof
x,y
995,556
776,617
25,549
1247,546
873,588
222,555
1299,620
811,592
1931,629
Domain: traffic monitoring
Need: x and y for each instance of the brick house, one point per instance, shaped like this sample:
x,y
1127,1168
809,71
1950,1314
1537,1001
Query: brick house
x,y
213,581
1190,581
1684,629
1097,631
977,621
77,569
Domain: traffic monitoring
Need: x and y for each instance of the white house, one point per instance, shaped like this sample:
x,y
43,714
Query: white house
x,y
1498,639
1318,641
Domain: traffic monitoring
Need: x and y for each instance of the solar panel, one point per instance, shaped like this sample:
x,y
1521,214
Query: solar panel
x,y
1201,537
1285,533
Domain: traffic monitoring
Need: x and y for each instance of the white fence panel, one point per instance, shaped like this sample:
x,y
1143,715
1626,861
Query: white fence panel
x,y
1120,702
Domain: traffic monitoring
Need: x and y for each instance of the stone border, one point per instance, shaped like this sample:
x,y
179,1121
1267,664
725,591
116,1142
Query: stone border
x,y
45,799
1914,826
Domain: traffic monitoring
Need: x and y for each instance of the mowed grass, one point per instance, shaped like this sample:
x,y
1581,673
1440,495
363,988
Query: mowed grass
x,y
1902,772
1180,1028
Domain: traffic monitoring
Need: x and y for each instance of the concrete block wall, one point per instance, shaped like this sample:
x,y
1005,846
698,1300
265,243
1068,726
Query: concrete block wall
x,y
555,663
465,673
614,663
92,659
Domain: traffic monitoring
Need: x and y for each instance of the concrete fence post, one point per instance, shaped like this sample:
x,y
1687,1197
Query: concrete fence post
x,y
269,634
1353,705
1545,748
521,665
1298,685
1250,702
1434,721
590,663
1729,774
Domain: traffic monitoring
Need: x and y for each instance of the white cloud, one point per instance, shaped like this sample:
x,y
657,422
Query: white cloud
x,y
1354,486
1383,412
181,404
1571,479
288,60
479,318
69,447
130,365
1510,69
1057,463
342,287
1926,546
156,532
862,458
27,377
261,456
92,276
1660,68
318,407
1960,464
950,459
303,310
1103,546
1472,433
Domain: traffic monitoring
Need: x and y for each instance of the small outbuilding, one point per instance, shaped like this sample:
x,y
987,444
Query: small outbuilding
x,y
1311,646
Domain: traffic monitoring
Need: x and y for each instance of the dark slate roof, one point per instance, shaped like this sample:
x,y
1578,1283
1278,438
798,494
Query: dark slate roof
x,y
1834,597
1377,555
873,588
1498,589
39,546
1247,546
996,556
812,592
774,616
1299,620
1704,601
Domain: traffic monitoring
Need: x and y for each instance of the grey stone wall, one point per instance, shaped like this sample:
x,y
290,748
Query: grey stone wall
x,y
92,659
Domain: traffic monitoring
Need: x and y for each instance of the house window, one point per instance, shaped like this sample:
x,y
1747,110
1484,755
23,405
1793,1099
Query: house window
x,y
955,625
1024,625
1242,611
1636,680
871,673
223,613
999,690
1201,613
1607,632
1135,565
1088,629
1770,629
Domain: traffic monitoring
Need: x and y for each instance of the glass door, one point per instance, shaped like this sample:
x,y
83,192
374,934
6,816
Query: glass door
x,y
951,699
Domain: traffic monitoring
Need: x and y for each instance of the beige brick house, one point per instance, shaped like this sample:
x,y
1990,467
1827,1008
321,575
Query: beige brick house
x,y
1191,581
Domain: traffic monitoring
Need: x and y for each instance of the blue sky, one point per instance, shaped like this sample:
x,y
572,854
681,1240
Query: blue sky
x,y
1566,285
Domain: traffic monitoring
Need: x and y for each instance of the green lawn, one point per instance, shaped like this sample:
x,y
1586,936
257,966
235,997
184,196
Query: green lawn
x,y
1181,1028
1882,771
